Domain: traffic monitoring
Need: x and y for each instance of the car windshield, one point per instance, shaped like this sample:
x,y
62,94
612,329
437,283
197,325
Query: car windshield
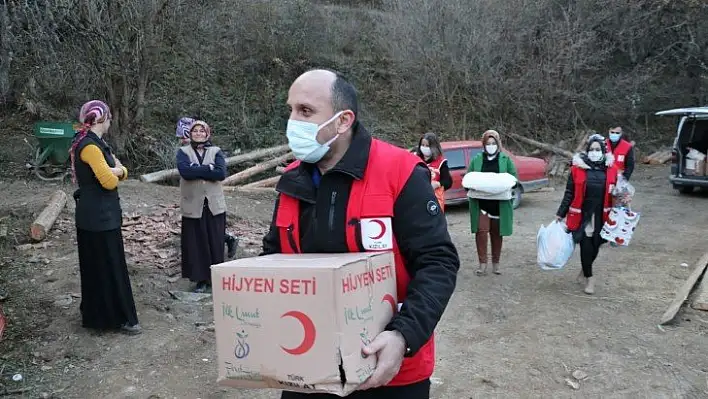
x,y
455,158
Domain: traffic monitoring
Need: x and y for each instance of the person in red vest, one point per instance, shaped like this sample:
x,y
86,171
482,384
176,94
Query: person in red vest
x,y
621,148
587,203
430,152
349,192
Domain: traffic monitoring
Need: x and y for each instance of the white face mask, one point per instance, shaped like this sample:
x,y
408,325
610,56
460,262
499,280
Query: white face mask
x,y
425,151
302,139
595,155
491,149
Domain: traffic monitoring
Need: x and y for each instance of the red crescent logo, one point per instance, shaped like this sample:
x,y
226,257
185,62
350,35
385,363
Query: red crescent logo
x,y
382,226
389,298
308,341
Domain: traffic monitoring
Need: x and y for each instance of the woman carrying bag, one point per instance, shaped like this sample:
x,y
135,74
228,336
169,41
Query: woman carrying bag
x,y
491,220
587,203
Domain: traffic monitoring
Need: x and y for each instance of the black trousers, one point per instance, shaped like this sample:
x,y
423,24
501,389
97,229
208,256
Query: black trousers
x,y
589,249
419,390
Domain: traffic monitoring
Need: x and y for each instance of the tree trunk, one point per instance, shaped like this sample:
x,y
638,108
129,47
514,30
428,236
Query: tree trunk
x,y
230,161
44,222
259,168
543,146
5,53
269,182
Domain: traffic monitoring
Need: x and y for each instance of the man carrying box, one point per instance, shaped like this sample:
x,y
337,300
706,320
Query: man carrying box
x,y
349,192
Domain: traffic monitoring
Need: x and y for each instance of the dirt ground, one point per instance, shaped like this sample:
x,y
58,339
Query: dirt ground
x,y
519,335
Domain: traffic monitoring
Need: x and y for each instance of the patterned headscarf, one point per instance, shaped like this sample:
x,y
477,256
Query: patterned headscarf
x,y
183,126
91,113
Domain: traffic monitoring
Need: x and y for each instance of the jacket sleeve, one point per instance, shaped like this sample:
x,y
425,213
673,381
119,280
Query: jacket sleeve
x,y
629,164
189,171
431,259
445,177
511,169
219,172
93,156
271,241
567,197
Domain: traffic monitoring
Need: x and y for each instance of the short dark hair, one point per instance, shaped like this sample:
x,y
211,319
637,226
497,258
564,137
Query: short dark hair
x,y
344,96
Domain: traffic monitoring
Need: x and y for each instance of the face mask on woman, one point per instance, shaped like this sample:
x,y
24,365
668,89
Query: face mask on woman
x,y
491,149
595,155
425,150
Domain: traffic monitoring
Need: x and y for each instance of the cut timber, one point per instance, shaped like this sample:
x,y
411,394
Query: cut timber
x,y
41,226
661,159
543,146
269,182
258,190
685,290
701,301
235,160
254,170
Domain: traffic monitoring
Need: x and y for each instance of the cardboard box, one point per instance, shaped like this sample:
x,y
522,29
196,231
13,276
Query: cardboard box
x,y
695,167
299,322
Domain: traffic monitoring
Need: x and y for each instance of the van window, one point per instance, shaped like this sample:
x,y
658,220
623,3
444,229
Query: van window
x,y
455,159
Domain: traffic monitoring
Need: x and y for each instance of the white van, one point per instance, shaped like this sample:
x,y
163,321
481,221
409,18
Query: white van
x,y
687,172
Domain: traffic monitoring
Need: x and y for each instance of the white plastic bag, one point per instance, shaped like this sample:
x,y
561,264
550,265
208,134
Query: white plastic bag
x,y
695,154
554,246
622,192
489,182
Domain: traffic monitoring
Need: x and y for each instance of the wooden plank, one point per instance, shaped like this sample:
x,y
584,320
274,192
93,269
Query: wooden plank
x,y
701,301
685,290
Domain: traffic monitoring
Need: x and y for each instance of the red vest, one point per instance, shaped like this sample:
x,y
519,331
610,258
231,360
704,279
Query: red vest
x,y
620,152
434,167
372,196
575,214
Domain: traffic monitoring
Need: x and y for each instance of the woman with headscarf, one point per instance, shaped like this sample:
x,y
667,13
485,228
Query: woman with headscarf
x,y
183,125
587,203
430,152
202,167
491,220
106,295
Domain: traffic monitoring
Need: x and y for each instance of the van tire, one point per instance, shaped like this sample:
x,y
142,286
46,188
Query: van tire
x,y
685,189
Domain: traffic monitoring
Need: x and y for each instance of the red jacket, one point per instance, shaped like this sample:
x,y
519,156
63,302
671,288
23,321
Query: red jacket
x,y
373,197
434,167
574,218
620,152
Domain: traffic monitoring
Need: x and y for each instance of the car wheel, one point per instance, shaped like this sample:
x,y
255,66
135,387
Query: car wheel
x,y
685,189
516,197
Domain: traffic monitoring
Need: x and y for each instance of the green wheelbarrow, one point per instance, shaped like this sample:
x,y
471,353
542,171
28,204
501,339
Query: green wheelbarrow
x,y
51,154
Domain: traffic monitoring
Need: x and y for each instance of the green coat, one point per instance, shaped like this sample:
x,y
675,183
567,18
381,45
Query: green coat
x,y
506,209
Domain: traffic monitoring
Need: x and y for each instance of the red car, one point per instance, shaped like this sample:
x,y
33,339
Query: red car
x,y
531,171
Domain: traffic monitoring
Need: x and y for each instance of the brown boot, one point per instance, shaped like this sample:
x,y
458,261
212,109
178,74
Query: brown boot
x,y
590,286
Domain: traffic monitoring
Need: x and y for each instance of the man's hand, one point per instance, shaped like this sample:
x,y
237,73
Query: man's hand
x,y
389,347
435,184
